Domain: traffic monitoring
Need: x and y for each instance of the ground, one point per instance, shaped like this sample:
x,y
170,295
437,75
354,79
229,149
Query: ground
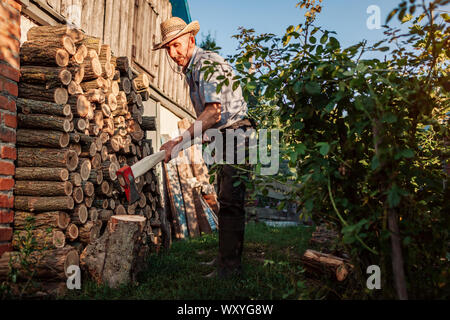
x,y
272,270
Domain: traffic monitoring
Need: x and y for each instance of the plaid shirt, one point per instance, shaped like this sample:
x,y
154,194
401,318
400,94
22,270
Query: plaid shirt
x,y
234,107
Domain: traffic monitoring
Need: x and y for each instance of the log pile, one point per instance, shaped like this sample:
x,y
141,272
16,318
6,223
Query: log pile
x,y
79,120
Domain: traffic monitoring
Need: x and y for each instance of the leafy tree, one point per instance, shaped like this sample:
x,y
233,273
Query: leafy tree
x,y
209,43
367,139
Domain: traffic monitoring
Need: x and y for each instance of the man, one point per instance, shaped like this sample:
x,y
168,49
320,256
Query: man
x,y
224,110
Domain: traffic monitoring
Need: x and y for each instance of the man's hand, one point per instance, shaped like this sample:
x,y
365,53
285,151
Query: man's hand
x,y
168,147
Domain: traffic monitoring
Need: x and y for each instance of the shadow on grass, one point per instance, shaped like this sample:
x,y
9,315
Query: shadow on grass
x,y
271,265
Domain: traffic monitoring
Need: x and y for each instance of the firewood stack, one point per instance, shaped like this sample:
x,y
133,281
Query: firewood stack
x,y
80,119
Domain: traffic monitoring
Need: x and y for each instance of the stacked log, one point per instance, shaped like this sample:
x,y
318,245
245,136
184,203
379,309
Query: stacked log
x,y
80,114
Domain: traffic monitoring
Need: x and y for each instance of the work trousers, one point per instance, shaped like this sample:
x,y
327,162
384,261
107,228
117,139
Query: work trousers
x,y
231,197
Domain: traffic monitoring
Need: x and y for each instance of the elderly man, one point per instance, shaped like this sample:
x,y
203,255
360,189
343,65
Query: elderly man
x,y
224,110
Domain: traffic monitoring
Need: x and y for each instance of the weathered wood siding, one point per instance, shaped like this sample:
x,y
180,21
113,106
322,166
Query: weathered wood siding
x,y
131,28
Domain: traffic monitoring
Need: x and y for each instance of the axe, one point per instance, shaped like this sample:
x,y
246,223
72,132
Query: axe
x,y
127,175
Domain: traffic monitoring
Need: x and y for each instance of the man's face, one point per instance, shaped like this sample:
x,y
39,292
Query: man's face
x,y
179,49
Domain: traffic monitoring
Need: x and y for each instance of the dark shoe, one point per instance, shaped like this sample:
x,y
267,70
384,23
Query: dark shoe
x,y
213,262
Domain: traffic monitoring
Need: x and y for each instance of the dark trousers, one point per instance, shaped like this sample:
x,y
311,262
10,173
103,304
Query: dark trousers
x,y
231,197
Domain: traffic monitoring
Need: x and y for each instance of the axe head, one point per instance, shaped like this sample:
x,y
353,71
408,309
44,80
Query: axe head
x,y
126,180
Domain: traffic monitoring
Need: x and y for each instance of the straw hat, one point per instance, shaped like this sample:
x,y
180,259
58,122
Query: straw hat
x,y
175,27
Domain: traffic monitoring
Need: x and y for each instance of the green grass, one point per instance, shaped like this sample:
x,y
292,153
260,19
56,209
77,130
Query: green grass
x,y
271,265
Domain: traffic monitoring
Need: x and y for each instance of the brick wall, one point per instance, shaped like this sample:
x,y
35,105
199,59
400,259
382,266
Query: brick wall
x,y
9,76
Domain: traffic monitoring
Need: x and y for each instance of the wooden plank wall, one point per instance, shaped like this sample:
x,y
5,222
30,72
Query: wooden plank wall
x,y
131,28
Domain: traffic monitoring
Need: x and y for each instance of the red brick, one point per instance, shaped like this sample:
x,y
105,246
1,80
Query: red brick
x,y
6,184
5,247
8,153
6,216
5,233
10,120
15,4
8,55
7,135
7,168
11,88
9,72
7,104
6,201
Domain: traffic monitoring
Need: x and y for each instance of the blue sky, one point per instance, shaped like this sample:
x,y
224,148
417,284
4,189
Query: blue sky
x,y
347,17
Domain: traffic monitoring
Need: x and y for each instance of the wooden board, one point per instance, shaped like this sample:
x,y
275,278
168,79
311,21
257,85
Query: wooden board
x,y
176,198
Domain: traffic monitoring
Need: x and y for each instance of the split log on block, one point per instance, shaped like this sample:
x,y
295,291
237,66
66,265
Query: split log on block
x,y
43,238
96,176
42,138
77,70
35,92
54,219
72,232
92,43
105,215
80,124
120,210
27,106
48,76
93,214
88,201
96,161
57,31
44,174
44,157
117,256
43,121
75,178
74,88
316,261
88,188
78,195
90,231
47,264
92,67
43,188
101,203
80,214
32,53
141,82
148,123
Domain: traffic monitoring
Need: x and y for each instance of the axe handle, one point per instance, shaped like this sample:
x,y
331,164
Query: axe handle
x,y
141,167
